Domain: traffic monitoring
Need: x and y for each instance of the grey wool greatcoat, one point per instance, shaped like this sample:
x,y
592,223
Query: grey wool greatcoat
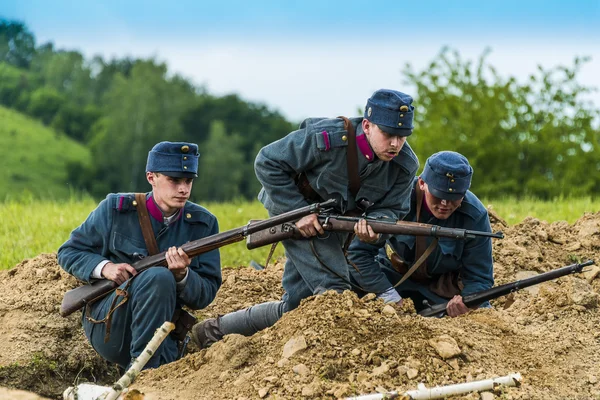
x,y
319,150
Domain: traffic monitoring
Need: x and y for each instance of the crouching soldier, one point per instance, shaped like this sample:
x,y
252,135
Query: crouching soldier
x,y
114,236
449,269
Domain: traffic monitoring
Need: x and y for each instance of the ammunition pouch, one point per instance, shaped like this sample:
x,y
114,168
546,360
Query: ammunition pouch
x,y
446,285
402,267
305,189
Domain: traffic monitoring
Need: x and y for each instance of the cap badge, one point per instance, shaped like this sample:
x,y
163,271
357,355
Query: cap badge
x,y
369,112
449,175
404,108
185,149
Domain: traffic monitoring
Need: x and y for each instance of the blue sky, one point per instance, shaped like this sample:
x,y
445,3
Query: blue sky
x,y
318,58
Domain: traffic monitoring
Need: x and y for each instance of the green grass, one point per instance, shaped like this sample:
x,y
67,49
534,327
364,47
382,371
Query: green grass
x,y
563,209
34,157
30,227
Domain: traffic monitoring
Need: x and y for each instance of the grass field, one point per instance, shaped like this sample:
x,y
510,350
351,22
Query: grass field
x,y
30,227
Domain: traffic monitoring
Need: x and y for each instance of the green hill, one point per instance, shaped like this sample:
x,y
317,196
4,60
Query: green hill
x,y
33,157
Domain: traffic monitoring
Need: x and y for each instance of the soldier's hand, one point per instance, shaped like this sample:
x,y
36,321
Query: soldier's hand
x,y
364,232
456,307
118,273
309,226
177,261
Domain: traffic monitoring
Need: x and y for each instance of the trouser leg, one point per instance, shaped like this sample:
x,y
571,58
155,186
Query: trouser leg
x,y
151,302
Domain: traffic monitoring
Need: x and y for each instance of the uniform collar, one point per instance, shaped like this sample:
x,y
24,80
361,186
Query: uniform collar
x,y
157,214
363,144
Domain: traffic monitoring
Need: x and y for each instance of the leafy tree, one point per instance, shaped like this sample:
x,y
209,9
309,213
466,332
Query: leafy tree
x,y
255,124
76,121
45,103
533,138
14,85
138,112
221,166
17,44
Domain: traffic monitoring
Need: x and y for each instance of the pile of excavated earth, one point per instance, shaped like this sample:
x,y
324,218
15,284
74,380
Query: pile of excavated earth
x,y
337,345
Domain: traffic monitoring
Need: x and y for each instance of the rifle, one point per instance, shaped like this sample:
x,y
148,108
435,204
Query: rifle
x,y
475,299
341,223
76,298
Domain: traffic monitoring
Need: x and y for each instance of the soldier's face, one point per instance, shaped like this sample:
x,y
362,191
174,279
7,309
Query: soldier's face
x,y
384,145
440,208
170,193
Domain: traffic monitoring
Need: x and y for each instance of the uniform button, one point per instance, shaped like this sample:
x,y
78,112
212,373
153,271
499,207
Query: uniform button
x,y
450,190
452,180
184,158
399,123
185,149
134,203
344,138
188,215
401,115
404,108
184,167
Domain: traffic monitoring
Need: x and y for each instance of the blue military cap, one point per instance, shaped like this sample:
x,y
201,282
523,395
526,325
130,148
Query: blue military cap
x,y
392,111
176,159
447,175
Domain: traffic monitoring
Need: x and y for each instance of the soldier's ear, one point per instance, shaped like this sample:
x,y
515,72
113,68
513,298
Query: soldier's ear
x,y
366,125
150,177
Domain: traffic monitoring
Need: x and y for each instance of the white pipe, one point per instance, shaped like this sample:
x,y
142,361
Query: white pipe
x,y
439,392
94,392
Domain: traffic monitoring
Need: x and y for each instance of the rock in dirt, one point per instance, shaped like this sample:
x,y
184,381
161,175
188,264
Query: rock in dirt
x,y
445,346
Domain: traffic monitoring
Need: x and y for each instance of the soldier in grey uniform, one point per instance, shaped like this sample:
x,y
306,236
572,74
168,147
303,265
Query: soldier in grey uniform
x,y
106,244
454,268
316,157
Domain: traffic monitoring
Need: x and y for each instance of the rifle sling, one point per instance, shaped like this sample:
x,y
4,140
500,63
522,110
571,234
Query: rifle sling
x,y
352,158
421,253
146,224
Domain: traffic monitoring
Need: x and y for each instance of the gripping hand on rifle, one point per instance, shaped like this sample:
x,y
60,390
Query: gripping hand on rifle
x,y
456,307
365,233
309,226
177,261
118,273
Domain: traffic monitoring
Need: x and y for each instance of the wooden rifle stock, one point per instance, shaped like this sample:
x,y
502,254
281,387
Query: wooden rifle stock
x,y
340,223
76,298
476,299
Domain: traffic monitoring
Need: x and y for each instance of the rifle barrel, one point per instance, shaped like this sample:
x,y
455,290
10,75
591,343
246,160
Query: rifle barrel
x,y
475,299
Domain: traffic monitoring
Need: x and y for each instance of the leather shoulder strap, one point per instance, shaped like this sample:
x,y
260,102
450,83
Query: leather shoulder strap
x,y
352,157
419,268
146,224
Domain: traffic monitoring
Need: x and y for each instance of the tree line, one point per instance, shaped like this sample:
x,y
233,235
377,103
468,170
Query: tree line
x,y
535,138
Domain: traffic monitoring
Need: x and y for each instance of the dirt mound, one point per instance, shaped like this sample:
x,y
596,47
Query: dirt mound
x,y
338,345
40,351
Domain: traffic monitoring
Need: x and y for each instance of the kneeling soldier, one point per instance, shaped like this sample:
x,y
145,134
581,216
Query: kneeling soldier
x,y
121,324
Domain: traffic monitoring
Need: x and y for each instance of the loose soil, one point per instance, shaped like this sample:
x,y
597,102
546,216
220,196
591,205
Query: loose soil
x,y
337,345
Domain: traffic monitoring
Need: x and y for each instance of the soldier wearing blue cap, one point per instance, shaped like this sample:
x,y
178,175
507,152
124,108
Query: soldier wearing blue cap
x,y
454,268
311,164
120,325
